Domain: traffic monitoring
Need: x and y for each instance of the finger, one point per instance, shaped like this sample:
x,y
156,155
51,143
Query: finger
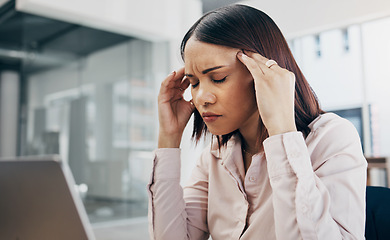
x,y
165,84
185,84
262,60
250,64
257,56
174,76
172,80
179,75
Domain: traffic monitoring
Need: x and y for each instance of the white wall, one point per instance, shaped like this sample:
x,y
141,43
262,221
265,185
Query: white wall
x,y
357,78
149,20
376,38
335,76
302,17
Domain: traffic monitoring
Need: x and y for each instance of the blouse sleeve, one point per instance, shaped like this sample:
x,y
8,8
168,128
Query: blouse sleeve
x,y
172,215
320,195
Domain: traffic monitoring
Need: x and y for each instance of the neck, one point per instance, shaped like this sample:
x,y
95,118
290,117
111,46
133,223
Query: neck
x,y
250,136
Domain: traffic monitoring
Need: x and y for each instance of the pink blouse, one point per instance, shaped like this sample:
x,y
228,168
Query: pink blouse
x,y
299,188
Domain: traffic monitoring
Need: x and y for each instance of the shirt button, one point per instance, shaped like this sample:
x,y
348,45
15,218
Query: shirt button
x,y
294,155
304,209
252,178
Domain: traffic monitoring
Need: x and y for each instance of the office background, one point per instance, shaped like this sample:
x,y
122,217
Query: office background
x,y
80,79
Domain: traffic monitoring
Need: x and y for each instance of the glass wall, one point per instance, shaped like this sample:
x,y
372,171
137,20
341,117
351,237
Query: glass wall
x,y
99,113
349,70
90,96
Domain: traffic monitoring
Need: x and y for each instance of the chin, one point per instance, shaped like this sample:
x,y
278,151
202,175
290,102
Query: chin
x,y
219,132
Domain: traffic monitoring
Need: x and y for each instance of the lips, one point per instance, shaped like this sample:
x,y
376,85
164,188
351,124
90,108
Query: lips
x,y
210,117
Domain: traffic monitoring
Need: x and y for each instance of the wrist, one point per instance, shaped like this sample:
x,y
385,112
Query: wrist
x,y
169,140
279,125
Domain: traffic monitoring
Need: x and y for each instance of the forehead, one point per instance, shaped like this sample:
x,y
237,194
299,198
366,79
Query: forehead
x,y
201,55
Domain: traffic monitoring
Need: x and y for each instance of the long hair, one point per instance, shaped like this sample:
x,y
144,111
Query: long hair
x,y
247,28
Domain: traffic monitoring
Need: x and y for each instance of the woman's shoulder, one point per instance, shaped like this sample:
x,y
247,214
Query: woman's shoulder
x,y
328,123
332,135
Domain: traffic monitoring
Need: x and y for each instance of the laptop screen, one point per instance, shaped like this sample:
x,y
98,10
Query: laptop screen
x,y
38,201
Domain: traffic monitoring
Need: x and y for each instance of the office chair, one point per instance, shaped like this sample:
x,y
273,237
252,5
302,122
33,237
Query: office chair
x,y
377,213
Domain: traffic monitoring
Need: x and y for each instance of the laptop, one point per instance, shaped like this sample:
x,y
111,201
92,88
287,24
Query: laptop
x,y
38,201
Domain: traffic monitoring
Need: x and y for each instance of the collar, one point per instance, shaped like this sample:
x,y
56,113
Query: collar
x,y
224,152
230,156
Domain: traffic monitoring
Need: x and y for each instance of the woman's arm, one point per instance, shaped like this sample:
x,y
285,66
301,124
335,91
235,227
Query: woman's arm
x,y
173,110
327,202
319,195
170,216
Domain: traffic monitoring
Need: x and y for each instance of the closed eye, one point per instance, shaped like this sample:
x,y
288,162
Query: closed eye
x,y
219,81
195,85
213,80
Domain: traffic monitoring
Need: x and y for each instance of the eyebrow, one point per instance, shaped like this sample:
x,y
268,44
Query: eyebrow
x,y
206,71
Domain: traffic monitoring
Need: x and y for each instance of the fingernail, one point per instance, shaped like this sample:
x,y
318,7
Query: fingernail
x,y
242,54
173,72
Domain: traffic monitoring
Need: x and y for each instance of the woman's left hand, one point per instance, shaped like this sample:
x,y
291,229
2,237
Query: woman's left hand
x,y
275,89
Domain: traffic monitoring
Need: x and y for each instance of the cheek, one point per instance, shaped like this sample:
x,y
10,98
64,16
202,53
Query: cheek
x,y
250,88
193,95
247,98
246,90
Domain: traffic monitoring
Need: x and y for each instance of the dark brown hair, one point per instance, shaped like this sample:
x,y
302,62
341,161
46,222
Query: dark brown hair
x,y
247,28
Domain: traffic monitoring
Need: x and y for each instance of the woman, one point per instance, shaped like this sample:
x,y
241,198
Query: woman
x,y
278,166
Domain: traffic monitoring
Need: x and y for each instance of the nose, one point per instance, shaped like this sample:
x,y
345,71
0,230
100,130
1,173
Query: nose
x,y
205,97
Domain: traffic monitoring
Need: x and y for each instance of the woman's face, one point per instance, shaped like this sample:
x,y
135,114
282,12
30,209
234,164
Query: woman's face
x,y
221,86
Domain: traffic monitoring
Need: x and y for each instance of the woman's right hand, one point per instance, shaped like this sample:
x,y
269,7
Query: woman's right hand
x,y
173,111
